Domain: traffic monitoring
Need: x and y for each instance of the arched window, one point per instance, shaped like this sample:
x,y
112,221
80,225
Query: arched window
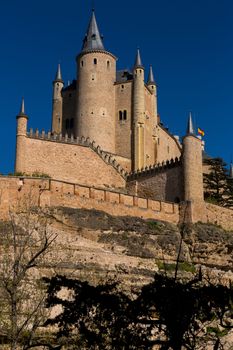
x,y
108,64
82,63
67,124
95,61
125,115
120,115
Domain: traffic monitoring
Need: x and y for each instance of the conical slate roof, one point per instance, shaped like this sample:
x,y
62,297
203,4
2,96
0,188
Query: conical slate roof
x,y
22,108
138,61
58,76
93,39
151,80
190,128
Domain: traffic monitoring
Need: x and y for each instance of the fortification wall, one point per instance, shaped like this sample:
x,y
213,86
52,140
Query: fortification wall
x,y
70,161
163,182
47,192
219,216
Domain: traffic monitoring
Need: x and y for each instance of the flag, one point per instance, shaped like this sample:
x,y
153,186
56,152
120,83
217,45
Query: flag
x,y
201,132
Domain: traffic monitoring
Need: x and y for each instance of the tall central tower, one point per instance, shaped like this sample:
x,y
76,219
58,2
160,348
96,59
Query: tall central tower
x,y
96,75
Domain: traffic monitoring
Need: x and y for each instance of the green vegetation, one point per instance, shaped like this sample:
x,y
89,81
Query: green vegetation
x,y
218,184
154,225
182,266
215,330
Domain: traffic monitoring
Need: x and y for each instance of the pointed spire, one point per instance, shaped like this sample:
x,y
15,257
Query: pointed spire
x,y
22,110
58,76
190,128
22,107
93,39
151,80
138,61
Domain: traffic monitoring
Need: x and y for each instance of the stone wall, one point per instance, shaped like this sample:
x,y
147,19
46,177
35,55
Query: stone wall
x,y
68,162
163,183
51,193
219,216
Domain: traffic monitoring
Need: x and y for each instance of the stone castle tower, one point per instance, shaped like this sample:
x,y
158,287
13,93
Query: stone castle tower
x,y
115,109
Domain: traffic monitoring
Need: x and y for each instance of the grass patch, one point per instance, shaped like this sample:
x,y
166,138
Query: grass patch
x,y
182,266
217,331
154,225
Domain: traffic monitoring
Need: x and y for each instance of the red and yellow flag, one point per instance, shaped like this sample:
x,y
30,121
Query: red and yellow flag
x,y
201,132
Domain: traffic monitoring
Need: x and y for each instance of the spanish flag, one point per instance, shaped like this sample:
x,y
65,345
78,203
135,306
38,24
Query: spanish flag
x,y
201,132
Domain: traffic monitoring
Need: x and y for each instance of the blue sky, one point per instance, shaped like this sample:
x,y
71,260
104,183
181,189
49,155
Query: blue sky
x,y
188,42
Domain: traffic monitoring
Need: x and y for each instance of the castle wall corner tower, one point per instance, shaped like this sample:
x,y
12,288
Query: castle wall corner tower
x,y
58,85
21,134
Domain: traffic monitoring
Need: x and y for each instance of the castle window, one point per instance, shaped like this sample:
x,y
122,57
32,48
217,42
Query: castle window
x,y
120,115
82,63
71,123
125,115
122,86
95,61
108,64
67,124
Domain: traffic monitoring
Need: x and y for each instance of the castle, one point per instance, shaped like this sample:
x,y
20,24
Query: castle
x,y
106,135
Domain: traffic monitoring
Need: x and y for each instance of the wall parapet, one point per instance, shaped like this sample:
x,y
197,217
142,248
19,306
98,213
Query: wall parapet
x,y
154,169
107,157
54,193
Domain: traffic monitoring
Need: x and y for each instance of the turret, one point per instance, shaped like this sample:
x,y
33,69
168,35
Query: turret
x,y
153,89
58,85
96,74
21,135
193,172
138,113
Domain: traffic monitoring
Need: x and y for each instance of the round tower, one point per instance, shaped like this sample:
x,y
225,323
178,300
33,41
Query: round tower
x,y
192,166
21,135
58,85
96,74
138,113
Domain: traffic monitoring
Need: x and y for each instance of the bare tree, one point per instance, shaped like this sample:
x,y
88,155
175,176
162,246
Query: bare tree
x,y
24,242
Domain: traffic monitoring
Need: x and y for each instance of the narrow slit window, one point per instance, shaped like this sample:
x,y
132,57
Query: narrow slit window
x,y
95,60
120,115
125,115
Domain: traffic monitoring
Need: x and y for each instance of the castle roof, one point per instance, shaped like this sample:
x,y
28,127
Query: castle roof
x,y
58,76
151,80
93,39
190,128
138,61
123,76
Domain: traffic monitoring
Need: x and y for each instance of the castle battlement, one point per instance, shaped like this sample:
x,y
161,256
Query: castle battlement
x,y
154,169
